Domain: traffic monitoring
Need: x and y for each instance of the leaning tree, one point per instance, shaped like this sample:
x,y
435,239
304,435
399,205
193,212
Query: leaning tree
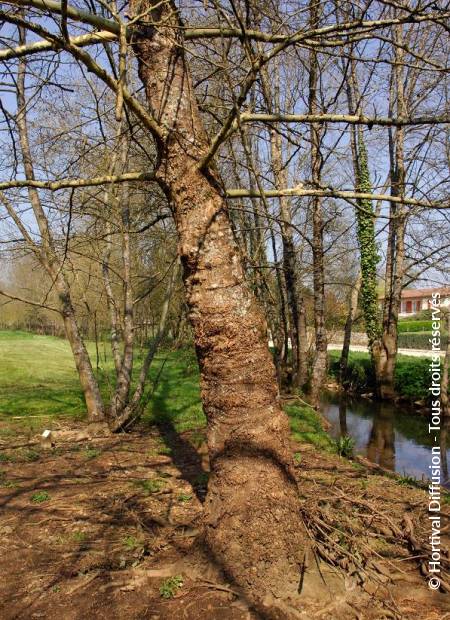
x,y
252,521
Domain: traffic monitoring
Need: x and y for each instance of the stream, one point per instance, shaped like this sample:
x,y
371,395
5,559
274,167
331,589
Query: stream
x,y
394,438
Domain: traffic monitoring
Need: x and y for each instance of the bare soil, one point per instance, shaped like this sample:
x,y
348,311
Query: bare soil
x,y
99,529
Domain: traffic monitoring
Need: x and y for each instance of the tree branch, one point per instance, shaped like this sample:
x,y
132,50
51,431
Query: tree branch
x,y
331,193
65,183
351,119
29,302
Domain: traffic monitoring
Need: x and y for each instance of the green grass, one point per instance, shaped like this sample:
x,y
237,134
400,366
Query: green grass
x,y
39,497
38,378
306,426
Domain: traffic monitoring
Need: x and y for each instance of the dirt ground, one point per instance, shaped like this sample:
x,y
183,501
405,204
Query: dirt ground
x,y
109,529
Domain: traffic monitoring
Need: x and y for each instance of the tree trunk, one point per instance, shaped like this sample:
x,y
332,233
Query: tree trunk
x,y
47,256
252,521
295,302
119,400
385,351
89,385
129,414
319,367
276,316
352,310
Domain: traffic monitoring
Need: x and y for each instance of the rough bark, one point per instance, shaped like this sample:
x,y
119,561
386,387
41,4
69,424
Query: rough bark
x,y
252,522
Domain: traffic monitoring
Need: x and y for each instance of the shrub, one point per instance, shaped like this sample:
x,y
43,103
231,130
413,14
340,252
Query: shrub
x,y
359,376
412,378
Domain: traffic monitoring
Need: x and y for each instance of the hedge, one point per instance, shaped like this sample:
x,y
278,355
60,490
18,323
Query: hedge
x,y
414,326
419,340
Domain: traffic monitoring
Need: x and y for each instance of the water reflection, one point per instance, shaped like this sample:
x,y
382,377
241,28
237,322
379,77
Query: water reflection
x,y
381,445
394,438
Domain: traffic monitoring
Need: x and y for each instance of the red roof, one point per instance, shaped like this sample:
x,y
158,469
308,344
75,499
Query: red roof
x,y
420,293
423,293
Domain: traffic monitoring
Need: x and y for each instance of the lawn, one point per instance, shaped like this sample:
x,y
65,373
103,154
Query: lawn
x,y
39,384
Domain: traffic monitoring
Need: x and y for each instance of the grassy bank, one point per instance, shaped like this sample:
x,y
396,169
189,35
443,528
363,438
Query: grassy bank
x,y
39,384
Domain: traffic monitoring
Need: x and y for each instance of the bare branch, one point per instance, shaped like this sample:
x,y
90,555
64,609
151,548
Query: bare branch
x,y
351,119
65,183
38,304
331,193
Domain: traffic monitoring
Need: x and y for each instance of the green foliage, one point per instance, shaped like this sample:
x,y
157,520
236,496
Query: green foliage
x,y
369,258
201,480
344,446
7,484
414,326
151,486
412,377
170,586
31,455
184,497
39,497
131,542
91,453
164,450
423,315
359,376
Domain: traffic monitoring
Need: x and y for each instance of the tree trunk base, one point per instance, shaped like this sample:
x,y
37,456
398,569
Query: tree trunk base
x,y
98,429
255,532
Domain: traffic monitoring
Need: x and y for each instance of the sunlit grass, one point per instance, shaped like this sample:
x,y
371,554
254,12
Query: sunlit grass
x,y
38,383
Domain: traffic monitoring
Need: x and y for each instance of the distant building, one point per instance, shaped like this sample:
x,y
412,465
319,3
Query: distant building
x,y
416,300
